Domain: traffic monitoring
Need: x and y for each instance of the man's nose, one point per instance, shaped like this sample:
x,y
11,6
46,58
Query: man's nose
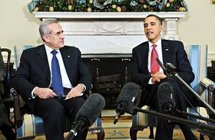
x,y
62,36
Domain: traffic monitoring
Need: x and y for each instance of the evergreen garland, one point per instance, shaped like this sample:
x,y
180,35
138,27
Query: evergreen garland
x,y
108,5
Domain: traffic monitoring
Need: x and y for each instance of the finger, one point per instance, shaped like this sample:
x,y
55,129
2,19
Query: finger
x,y
53,94
68,96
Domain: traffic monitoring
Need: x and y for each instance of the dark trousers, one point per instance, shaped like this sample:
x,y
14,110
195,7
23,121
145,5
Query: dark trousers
x,y
53,112
165,127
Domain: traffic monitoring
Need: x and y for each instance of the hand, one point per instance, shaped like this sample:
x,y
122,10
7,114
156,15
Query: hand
x,y
75,92
157,77
44,93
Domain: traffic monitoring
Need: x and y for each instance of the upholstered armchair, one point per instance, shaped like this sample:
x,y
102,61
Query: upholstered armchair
x,y
29,125
5,84
197,55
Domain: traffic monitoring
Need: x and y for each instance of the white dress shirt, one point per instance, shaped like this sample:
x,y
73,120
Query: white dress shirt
x,y
159,51
65,79
160,56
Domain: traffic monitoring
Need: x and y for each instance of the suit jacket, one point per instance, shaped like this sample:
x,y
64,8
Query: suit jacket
x,y
172,51
34,71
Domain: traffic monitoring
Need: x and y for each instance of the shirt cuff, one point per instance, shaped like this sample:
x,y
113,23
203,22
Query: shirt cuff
x,y
84,87
150,81
32,93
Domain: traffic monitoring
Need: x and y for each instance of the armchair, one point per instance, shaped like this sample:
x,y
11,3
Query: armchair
x,y
5,86
197,55
29,125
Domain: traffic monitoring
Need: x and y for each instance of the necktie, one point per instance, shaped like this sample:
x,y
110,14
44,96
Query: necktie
x,y
56,76
154,64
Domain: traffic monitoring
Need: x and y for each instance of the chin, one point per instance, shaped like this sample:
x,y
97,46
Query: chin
x,y
151,39
61,45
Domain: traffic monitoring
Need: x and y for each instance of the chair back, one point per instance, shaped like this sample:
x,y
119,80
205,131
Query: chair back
x,y
8,69
18,52
197,55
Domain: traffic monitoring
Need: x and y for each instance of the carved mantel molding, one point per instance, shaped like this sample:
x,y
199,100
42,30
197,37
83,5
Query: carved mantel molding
x,y
106,15
109,32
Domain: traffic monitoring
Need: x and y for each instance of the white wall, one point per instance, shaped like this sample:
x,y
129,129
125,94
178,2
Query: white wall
x,y
199,25
19,27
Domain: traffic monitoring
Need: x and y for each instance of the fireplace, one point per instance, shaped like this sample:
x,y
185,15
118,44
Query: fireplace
x,y
106,40
109,73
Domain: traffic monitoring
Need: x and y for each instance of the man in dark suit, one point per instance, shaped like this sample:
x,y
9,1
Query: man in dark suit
x,y
149,75
34,80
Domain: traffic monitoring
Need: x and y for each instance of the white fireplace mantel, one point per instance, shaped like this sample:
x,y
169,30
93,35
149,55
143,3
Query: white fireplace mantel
x,y
106,15
109,32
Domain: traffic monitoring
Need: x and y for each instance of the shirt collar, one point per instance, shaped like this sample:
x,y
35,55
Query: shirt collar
x,y
48,49
158,43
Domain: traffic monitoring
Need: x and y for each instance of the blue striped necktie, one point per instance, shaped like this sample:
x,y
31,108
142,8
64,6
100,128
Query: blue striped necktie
x,y
56,76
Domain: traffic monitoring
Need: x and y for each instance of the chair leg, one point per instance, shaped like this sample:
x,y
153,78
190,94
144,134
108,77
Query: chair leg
x,y
201,137
99,131
101,135
133,133
134,130
151,135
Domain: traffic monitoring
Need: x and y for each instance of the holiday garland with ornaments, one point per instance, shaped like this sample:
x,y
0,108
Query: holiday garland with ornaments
x,y
108,6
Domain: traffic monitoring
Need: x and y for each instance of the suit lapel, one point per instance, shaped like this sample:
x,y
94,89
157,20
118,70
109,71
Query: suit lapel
x,y
166,50
43,61
145,52
68,62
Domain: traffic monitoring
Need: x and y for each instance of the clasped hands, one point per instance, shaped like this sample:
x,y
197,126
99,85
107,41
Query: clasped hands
x,y
45,93
157,77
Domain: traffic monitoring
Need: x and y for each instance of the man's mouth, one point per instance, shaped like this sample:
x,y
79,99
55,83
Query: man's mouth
x,y
149,33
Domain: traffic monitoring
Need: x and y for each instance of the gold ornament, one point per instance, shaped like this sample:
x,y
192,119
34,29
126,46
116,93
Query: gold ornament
x,y
118,9
89,9
70,7
51,8
182,9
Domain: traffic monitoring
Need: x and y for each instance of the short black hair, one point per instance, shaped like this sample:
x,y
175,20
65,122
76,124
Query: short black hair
x,y
157,17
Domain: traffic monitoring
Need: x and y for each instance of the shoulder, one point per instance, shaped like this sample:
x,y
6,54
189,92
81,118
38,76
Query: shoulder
x,y
172,42
141,46
70,48
34,50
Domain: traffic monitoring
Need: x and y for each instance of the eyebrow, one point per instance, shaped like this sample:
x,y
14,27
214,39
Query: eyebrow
x,y
152,23
59,32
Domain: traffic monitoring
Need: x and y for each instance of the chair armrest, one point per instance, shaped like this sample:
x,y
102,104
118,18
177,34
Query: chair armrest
x,y
18,115
203,85
206,82
210,86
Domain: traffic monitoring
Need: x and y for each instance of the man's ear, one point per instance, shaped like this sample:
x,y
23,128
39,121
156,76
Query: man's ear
x,y
162,28
45,38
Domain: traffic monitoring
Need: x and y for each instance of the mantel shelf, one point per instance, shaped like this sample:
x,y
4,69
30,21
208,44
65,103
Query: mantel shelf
x,y
106,15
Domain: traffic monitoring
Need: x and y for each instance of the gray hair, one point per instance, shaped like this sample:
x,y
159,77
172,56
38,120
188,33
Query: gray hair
x,y
43,26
